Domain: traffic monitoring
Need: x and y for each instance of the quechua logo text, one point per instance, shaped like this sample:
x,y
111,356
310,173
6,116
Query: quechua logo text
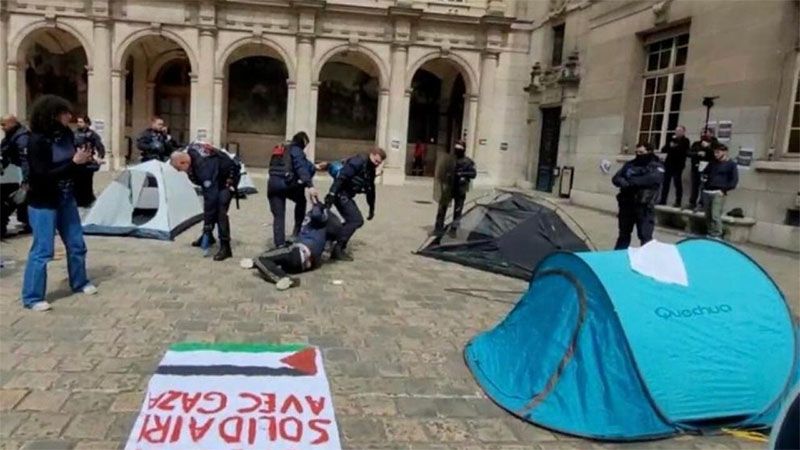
x,y
669,313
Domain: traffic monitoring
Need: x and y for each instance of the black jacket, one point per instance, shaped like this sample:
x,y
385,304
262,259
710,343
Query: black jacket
x,y
213,172
697,147
155,145
13,149
50,163
721,176
88,136
677,150
640,180
463,172
357,176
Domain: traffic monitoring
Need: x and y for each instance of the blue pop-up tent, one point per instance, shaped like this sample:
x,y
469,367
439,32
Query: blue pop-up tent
x,y
596,349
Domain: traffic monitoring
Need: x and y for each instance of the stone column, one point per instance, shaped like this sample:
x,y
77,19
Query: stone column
x,y
291,93
3,60
13,90
117,146
383,118
100,81
216,136
397,128
150,101
204,109
302,100
470,122
312,121
485,143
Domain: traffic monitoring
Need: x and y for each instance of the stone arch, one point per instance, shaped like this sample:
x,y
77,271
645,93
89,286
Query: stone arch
x,y
222,61
464,67
16,42
370,54
123,47
161,60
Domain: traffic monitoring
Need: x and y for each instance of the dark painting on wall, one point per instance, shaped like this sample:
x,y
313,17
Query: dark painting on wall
x,y
62,74
257,93
347,103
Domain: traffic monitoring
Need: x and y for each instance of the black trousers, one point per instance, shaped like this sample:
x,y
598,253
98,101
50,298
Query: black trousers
x,y
638,215
215,212
275,264
353,220
277,194
458,209
672,175
697,181
7,207
418,166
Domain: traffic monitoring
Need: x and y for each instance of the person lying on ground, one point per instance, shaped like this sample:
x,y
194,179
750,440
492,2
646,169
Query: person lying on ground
x,y
319,227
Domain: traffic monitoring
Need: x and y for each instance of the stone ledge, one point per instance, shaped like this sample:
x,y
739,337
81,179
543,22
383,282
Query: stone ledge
x,y
738,221
786,166
737,229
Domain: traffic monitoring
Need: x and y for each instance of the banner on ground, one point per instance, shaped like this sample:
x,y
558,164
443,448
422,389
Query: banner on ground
x,y
242,396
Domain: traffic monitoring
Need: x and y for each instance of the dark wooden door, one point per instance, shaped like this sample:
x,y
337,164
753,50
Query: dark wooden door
x,y
548,148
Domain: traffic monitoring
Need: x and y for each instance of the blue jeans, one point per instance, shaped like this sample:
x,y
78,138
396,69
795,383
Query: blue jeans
x,y
44,223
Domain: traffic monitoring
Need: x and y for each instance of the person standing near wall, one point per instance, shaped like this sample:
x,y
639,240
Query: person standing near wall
x,y
719,177
638,181
155,142
676,149
700,153
84,183
457,178
13,152
420,152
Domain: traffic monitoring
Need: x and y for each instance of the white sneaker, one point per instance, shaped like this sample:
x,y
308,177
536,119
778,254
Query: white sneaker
x,y
284,283
89,289
41,306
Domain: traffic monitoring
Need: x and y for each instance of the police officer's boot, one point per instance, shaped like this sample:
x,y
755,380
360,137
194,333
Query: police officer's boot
x,y
224,251
199,241
338,253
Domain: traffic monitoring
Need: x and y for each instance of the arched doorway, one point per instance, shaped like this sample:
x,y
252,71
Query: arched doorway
x,y
157,83
256,103
53,61
436,113
347,106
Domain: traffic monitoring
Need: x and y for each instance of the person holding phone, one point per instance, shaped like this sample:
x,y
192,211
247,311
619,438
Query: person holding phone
x,y
84,184
54,163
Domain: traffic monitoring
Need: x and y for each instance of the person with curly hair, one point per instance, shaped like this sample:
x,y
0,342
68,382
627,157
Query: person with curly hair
x,y
54,163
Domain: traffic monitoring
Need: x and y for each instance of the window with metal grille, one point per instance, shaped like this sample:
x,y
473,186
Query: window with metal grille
x,y
558,45
662,89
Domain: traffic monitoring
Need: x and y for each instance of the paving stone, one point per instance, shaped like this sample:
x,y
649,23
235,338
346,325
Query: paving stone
x,y
131,401
455,407
48,445
92,426
9,421
447,430
357,429
43,401
491,430
41,425
416,407
31,380
85,402
404,430
98,445
121,425
11,397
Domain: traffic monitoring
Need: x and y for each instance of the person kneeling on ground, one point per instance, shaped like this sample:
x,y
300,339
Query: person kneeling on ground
x,y
218,176
319,227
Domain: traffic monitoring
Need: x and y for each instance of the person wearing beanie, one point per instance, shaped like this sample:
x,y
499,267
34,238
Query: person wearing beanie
x,y
638,181
719,177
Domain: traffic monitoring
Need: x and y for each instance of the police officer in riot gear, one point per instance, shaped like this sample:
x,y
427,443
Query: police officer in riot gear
x,y
638,181
218,175
290,177
14,172
356,176
456,180
156,142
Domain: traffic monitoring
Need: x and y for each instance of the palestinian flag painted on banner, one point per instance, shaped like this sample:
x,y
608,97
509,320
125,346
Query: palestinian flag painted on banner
x,y
242,396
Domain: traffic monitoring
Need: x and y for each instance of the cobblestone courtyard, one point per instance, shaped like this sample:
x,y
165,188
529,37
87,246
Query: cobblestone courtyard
x,y
392,334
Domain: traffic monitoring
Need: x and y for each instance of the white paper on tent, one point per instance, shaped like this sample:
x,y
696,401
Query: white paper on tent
x,y
659,261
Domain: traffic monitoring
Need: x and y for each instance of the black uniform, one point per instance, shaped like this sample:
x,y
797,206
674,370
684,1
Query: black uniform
x,y
676,149
639,181
319,227
696,158
458,178
217,174
13,150
85,179
155,145
290,174
357,176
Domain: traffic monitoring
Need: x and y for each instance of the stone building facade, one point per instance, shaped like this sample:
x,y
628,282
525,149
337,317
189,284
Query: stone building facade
x,y
123,61
608,74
